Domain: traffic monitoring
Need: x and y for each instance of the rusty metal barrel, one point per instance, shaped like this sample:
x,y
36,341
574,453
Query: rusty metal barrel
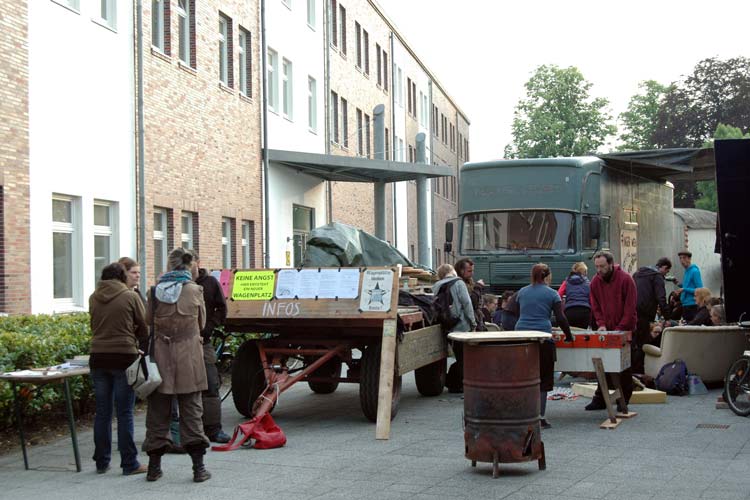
x,y
501,397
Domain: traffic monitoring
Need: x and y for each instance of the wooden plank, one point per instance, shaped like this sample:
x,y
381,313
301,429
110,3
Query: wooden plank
x,y
421,347
599,369
385,387
610,425
645,396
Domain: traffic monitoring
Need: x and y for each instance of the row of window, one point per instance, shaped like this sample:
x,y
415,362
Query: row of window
x,y
447,187
106,10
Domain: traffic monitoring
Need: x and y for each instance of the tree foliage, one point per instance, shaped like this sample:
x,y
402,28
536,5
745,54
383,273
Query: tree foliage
x,y
639,120
558,116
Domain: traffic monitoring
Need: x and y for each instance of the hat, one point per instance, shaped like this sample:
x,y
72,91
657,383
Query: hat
x,y
686,253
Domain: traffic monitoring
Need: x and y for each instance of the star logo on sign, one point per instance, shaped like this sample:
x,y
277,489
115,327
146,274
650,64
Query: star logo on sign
x,y
377,294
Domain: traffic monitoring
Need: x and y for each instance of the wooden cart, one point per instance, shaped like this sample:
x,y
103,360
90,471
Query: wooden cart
x,y
313,320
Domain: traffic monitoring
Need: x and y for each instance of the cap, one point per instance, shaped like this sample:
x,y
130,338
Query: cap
x,y
685,252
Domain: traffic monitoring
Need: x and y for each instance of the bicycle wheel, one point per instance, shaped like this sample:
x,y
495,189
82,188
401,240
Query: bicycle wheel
x,y
737,387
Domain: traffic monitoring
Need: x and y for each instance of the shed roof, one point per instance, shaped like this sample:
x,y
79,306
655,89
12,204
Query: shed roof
x,y
675,164
695,218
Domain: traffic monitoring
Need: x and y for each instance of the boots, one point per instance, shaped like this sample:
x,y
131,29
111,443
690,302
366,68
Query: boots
x,y
200,473
154,465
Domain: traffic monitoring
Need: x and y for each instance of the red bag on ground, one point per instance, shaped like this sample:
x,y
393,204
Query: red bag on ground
x,y
266,433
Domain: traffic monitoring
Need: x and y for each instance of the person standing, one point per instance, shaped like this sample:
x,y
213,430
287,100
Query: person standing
x,y
576,289
178,314
132,273
690,282
216,315
652,294
118,327
465,270
461,309
613,303
490,306
537,302
509,314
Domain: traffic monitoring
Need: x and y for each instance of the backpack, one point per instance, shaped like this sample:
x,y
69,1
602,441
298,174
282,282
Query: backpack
x,y
442,306
673,378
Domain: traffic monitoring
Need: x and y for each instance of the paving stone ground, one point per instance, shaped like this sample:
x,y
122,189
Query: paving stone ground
x,y
332,454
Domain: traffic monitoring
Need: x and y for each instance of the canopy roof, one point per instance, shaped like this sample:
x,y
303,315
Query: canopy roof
x,y
353,169
677,164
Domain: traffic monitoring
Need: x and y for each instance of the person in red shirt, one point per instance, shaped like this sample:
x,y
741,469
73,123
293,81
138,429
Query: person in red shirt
x,y
613,301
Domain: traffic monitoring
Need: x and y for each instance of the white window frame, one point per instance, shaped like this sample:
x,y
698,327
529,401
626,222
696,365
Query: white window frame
x,y
74,5
312,104
108,13
226,242
223,50
287,4
110,231
183,31
400,83
161,235
334,103
272,67
245,78
74,229
187,239
287,87
157,24
311,14
246,244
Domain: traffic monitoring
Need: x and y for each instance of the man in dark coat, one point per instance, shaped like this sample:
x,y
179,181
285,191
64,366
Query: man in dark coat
x,y
216,315
649,283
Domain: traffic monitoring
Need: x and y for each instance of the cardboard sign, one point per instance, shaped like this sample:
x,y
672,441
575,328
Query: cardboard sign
x,y
376,290
253,285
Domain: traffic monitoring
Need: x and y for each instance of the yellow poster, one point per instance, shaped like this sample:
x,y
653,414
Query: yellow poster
x,y
253,285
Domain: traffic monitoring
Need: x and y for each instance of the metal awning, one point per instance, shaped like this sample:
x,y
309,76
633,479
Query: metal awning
x,y
676,164
353,169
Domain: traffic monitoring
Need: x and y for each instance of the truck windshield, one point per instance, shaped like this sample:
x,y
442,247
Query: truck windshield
x,y
519,231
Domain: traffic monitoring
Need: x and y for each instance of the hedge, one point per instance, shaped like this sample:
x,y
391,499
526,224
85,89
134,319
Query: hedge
x,y
38,341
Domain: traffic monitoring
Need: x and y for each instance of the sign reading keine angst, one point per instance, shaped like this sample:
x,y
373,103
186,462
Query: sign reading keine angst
x,y
376,290
253,285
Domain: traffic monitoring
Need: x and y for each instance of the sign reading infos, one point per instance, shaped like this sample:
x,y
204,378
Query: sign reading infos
x,y
253,285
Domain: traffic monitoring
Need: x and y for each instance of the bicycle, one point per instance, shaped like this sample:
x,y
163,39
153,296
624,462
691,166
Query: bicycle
x,y
225,358
737,383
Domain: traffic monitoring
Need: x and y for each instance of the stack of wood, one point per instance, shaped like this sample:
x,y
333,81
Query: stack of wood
x,y
416,280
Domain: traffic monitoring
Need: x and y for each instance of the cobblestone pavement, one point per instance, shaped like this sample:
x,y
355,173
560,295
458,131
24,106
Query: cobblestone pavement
x,y
332,453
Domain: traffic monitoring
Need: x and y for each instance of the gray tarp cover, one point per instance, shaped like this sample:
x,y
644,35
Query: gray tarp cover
x,y
665,164
340,245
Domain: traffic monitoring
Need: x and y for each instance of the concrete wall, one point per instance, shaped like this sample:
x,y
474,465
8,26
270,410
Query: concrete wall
x,y
701,243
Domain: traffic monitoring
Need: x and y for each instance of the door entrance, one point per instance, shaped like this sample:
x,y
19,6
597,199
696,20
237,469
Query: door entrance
x,y
303,224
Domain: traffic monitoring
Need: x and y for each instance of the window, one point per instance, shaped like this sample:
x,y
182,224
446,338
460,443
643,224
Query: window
x,y
226,66
333,28
334,117
311,13
160,25
160,241
108,12
366,42
342,26
288,3
511,232
344,123
387,154
186,32
358,43
287,87
385,70
65,249
378,57
248,235
400,151
73,4
246,63
105,240
408,95
273,83
400,87
226,242
367,135
360,144
312,104
186,236
414,99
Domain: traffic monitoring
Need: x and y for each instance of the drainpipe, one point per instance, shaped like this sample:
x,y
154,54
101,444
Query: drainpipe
x,y
393,135
264,132
141,218
378,117
423,217
326,96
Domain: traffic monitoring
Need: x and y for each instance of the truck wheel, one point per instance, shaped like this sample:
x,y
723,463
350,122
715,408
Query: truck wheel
x,y
330,369
369,383
431,378
248,379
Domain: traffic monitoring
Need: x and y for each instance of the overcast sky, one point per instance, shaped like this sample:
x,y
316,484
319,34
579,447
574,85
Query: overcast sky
x,y
483,51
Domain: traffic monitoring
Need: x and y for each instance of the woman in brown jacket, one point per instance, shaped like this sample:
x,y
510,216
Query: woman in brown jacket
x,y
118,326
177,312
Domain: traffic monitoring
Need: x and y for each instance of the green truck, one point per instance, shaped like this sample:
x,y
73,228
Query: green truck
x,y
515,213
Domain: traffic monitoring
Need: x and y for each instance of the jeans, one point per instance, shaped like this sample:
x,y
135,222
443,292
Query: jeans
x,y
111,387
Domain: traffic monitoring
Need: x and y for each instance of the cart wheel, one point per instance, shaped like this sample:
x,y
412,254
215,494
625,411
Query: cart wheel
x,y
332,369
431,378
369,383
248,379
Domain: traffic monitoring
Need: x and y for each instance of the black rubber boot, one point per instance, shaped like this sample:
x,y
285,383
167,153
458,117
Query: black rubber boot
x,y
154,466
200,473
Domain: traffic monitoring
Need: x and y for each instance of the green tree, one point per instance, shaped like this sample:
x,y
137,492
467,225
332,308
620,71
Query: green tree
x,y
639,121
558,117
707,196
